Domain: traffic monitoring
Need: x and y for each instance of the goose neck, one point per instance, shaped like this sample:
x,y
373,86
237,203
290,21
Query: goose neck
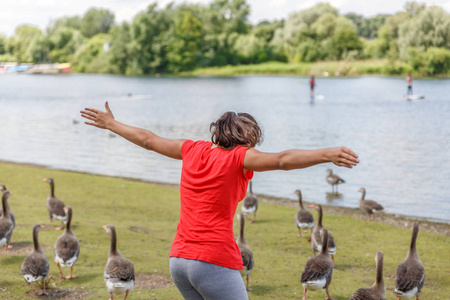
x,y
5,207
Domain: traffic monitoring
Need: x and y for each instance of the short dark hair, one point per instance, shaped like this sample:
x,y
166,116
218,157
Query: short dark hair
x,y
233,129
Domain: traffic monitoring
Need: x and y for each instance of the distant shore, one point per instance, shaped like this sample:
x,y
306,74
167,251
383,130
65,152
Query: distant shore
x,y
386,218
341,68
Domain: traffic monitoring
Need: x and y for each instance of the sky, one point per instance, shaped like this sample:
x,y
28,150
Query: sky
x,y
40,12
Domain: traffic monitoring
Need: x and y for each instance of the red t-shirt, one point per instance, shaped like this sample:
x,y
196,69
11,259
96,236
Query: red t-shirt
x,y
212,184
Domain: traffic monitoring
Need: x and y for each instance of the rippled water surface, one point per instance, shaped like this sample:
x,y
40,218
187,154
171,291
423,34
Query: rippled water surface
x,y
403,145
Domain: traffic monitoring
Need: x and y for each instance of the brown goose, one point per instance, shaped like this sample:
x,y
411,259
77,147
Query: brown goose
x,y
410,274
6,225
246,252
377,290
55,206
250,204
67,247
119,271
318,270
334,180
316,240
368,206
303,217
35,266
11,215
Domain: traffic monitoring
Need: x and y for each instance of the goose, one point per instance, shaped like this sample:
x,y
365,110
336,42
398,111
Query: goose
x,y
303,217
410,274
250,204
334,180
368,206
318,270
11,214
55,206
246,252
67,247
6,225
119,271
35,266
377,290
316,240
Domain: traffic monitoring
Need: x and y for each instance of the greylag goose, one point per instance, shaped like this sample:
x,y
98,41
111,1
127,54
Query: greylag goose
x,y
67,247
377,290
250,204
368,206
410,274
246,252
334,180
35,266
11,214
316,240
55,206
6,225
119,271
303,217
318,270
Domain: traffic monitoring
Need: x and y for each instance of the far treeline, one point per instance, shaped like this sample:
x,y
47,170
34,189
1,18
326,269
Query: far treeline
x,y
182,38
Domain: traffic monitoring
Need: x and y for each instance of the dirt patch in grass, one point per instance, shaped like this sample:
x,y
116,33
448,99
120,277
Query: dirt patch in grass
x,y
21,248
148,281
139,229
66,294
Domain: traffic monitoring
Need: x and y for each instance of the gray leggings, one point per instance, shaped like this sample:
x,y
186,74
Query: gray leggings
x,y
196,279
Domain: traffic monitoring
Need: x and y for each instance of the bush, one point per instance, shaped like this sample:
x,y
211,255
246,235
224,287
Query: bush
x,y
431,62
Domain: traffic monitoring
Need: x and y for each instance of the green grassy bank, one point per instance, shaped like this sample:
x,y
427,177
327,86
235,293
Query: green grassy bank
x,y
333,68
146,216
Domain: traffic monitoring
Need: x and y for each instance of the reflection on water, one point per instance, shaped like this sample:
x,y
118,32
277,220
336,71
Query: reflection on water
x,y
402,144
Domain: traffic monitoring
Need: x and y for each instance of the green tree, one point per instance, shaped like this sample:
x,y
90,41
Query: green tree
x,y
96,21
119,47
25,35
429,28
344,41
2,44
184,50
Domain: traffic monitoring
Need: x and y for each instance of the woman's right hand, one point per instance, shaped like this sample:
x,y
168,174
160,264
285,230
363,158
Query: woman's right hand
x,y
100,119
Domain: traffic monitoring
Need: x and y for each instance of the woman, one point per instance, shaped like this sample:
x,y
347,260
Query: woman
x,y
205,259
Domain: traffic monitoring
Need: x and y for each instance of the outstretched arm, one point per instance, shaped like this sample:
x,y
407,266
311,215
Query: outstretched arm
x,y
138,136
298,159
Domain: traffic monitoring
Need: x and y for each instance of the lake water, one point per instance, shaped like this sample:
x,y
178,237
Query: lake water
x,y
403,145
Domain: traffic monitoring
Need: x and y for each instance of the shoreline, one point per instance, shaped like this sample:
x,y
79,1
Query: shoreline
x,y
386,218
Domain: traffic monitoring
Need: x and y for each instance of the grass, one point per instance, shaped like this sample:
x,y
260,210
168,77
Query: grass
x,y
333,68
146,216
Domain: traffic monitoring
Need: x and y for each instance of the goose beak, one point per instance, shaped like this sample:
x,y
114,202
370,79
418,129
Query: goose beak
x,y
311,205
105,227
45,179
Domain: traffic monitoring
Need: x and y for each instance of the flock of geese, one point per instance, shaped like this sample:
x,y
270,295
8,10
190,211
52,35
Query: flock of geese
x,y
318,271
119,272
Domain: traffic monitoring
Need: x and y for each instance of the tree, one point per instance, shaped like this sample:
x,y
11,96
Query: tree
x,y
119,51
184,50
25,35
96,21
429,28
345,40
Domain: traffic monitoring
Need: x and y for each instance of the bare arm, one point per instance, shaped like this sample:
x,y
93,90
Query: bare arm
x,y
298,159
138,136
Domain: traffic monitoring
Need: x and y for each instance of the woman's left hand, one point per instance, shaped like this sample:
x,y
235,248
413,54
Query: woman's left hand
x,y
100,119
